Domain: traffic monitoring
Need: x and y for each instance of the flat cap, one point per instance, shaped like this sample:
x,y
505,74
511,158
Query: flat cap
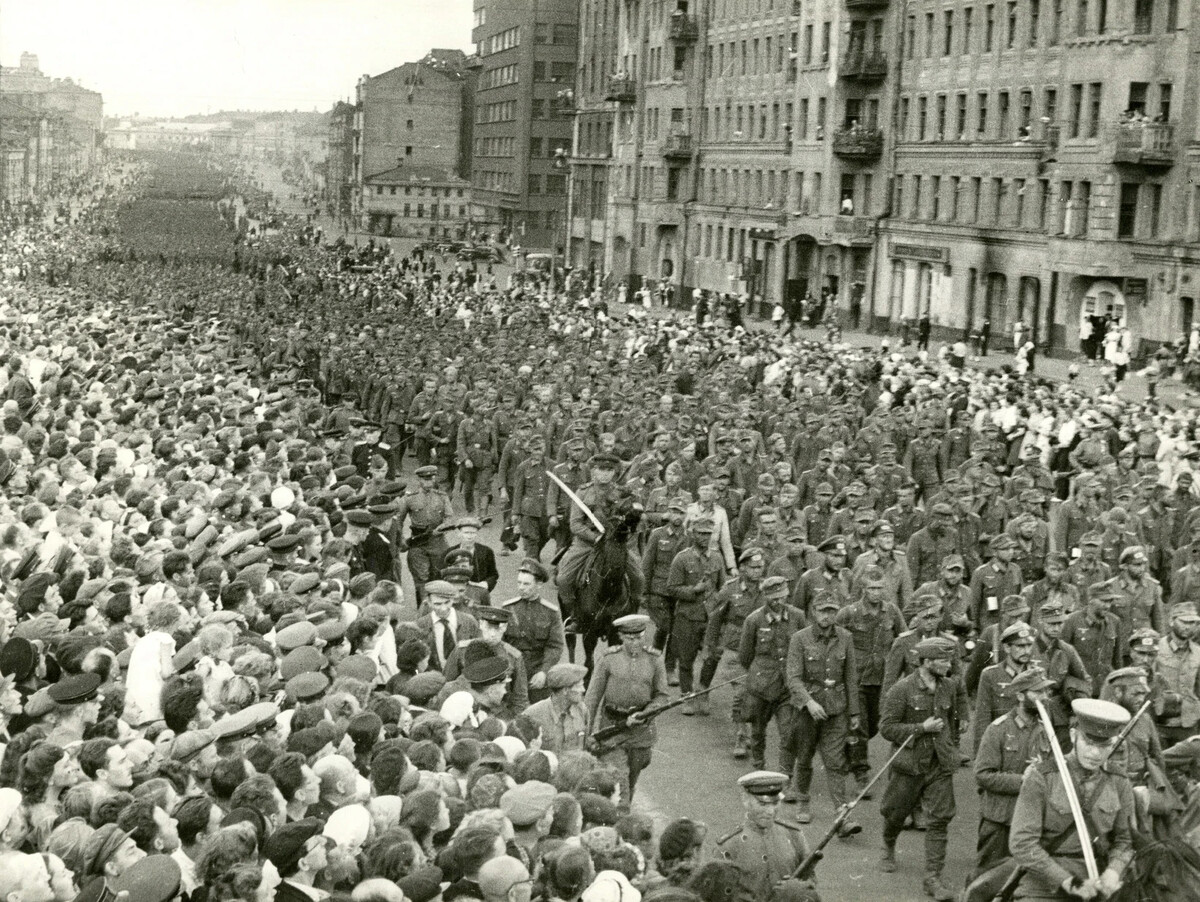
x,y
101,846
486,671
703,524
190,744
296,635
18,658
1002,540
440,587
307,686
1052,612
527,803
358,667
285,847
305,659
155,878
560,676
305,583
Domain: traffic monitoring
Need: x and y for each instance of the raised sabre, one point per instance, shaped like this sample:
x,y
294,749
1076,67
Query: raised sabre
x,y
578,502
1085,838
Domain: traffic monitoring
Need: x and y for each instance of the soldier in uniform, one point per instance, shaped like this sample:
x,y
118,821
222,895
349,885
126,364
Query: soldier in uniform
x,y
995,694
493,624
664,543
874,623
767,848
1093,632
1178,668
993,581
1061,663
476,556
420,412
1053,586
536,627
1008,745
530,486
929,705
1041,815
1088,569
932,543
924,616
903,515
379,555
696,576
923,461
892,563
511,457
561,716
737,599
830,575
1139,602
626,681
818,514
887,475
953,594
426,507
762,652
475,455
574,473
822,681
600,496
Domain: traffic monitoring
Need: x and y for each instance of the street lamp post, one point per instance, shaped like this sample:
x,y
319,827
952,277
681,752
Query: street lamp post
x,y
560,165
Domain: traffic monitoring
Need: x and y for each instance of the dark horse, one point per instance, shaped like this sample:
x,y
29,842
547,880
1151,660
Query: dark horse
x,y
1162,870
610,584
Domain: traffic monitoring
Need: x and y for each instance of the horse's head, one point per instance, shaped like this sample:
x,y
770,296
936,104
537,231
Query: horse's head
x,y
626,514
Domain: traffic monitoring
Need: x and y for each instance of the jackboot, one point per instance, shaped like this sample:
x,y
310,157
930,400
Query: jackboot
x,y
887,861
702,705
938,890
804,812
741,745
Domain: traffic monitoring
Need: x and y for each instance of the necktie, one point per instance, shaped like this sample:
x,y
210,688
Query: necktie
x,y
447,640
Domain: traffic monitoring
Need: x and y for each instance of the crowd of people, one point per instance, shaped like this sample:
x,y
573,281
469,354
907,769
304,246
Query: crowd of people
x,y
226,448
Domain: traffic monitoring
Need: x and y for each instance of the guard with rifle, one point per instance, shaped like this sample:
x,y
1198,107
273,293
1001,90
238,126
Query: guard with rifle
x,y
768,848
930,705
626,682
1071,829
426,507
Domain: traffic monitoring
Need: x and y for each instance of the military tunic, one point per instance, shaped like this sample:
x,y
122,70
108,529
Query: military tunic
x,y
766,856
536,630
563,730
1007,747
822,667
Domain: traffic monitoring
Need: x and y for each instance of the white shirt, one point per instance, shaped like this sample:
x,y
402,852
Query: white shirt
x,y
439,627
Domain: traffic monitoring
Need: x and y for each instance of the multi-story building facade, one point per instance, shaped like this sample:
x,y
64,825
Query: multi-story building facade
x,y
527,54
1045,168
418,114
339,163
417,202
979,160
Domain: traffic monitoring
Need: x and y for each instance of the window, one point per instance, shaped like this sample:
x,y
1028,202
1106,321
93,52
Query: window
x,y
1076,110
407,211
1035,11
1065,208
408,124
960,117
968,16
989,27
976,197
1082,206
1155,209
808,44
1043,203
948,33
981,112
1127,212
392,191
1137,97
910,38
1026,112
952,205
541,33
408,150
825,30
566,34
1143,16
1081,18
929,34
1004,125
1172,22
904,103
1164,102
803,122
916,198
1094,94
1000,193
935,197
1019,199
941,117
1056,22
1010,30
820,118
922,113
1101,16
1050,105
898,201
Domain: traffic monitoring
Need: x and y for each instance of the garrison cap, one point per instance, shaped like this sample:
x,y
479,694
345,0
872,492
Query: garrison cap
x,y
943,509
764,783
305,583
1185,610
1098,720
1014,604
185,659
1019,631
1091,538
1126,675
632,623
1134,554
285,847
773,587
936,647
1030,679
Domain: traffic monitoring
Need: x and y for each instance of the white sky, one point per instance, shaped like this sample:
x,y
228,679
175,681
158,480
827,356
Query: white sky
x,y
175,57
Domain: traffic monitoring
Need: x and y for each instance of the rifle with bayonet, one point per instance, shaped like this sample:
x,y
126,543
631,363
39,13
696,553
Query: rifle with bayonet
x,y
809,864
614,730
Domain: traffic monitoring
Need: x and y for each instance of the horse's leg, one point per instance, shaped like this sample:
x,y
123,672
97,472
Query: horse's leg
x,y
590,639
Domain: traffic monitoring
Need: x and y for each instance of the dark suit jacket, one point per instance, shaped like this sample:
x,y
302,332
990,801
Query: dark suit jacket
x,y
468,629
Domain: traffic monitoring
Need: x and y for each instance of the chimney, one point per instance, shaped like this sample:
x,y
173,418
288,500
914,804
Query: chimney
x,y
29,62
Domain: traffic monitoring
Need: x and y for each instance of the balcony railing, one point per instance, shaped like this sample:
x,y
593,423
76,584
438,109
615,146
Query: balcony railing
x,y
1144,144
864,64
678,144
858,143
621,89
684,29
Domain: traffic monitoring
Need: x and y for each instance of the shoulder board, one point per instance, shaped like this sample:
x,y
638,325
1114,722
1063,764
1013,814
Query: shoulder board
x,y
728,836
906,634
613,651
509,601
999,719
652,651
549,603
790,825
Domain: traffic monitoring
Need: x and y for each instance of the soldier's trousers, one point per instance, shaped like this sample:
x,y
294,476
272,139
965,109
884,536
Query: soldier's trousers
x,y
421,561
474,478
687,638
535,533
759,711
661,609
908,793
731,669
868,726
421,449
829,738
628,764
992,845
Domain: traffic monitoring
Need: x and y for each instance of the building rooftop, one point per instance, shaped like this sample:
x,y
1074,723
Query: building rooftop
x,y
403,175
